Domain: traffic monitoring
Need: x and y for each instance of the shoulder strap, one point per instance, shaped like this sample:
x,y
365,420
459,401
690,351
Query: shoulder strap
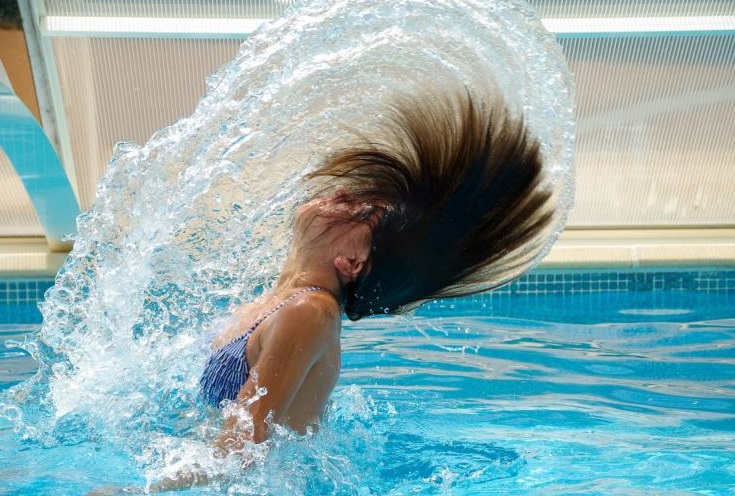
x,y
281,305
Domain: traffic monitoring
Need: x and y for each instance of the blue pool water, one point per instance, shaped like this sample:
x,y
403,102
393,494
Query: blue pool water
x,y
557,384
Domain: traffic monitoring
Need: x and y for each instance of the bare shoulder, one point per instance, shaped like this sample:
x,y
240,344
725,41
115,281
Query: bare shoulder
x,y
311,315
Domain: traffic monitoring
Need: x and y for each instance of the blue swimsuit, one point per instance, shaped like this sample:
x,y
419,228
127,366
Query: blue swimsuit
x,y
227,368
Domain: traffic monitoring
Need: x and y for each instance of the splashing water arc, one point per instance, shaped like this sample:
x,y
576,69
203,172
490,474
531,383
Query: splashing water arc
x,y
197,219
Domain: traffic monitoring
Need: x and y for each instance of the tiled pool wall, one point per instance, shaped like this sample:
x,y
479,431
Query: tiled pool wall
x,y
559,282
597,295
19,298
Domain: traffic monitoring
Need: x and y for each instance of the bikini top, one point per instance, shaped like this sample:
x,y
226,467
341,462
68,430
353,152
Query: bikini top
x,y
227,368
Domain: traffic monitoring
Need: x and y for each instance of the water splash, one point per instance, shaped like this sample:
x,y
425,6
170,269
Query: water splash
x,y
196,220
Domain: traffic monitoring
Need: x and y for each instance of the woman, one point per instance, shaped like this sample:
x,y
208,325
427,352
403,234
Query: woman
x,y
287,342
451,198
452,192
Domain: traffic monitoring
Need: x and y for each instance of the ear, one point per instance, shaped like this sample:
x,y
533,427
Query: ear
x,y
350,268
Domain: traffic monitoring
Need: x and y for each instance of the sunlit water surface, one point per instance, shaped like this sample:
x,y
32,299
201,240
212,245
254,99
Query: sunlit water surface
x,y
457,401
197,221
187,226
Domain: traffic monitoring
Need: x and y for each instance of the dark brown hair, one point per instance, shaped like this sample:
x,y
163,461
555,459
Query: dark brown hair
x,y
458,184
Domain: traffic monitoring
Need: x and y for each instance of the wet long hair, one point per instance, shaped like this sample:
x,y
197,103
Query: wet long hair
x,y
458,187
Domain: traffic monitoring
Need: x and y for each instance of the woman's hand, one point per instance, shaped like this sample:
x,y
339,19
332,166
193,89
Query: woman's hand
x,y
185,478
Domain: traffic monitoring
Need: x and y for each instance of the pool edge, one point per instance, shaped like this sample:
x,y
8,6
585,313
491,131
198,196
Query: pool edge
x,y
576,248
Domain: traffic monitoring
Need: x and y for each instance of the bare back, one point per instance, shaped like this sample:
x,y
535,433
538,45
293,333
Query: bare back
x,y
295,355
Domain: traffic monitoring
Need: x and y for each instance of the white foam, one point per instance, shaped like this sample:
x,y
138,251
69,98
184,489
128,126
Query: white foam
x,y
197,219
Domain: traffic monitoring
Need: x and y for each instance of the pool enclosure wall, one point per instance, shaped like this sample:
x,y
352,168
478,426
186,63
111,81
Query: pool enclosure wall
x,y
655,93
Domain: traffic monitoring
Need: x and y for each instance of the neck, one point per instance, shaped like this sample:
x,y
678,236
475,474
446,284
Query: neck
x,y
299,274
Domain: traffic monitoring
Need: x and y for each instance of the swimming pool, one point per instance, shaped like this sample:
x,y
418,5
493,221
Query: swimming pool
x,y
601,382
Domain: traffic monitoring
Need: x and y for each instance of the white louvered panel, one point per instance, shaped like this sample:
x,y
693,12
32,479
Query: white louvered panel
x,y
631,8
266,9
655,141
126,89
17,215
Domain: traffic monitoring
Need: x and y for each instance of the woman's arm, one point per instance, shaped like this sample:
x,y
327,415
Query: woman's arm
x,y
296,341
191,477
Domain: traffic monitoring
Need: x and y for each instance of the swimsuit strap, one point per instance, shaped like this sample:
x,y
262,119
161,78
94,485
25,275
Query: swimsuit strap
x,y
273,310
227,368
281,305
